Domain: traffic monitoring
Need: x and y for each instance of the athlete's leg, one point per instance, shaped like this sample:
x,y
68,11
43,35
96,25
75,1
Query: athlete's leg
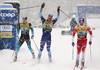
x,y
19,43
84,43
78,49
42,43
29,47
83,48
78,52
49,45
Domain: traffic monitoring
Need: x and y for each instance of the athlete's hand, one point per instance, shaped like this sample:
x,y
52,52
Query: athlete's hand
x,y
17,38
32,36
58,9
73,44
90,42
43,4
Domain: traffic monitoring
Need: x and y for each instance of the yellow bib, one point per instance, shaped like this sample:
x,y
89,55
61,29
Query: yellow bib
x,y
82,31
24,25
47,26
48,23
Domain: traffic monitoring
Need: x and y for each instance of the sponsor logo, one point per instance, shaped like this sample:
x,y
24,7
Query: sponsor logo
x,y
82,29
6,27
6,34
7,15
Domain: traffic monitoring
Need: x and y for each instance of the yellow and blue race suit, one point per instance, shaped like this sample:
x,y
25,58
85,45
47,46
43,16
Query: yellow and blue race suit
x,y
25,28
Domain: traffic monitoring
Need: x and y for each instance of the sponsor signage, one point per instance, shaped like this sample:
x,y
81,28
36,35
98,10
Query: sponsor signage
x,y
5,28
6,34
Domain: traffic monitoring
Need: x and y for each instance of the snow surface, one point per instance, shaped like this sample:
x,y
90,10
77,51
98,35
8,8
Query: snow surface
x,y
61,52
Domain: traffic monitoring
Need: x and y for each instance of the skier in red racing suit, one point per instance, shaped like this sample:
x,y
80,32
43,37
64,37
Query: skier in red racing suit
x,y
81,30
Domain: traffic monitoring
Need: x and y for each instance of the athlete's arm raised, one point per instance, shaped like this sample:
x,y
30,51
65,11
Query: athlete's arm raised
x,y
40,14
58,15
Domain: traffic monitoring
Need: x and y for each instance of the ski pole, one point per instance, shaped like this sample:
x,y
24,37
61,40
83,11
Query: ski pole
x,y
65,13
72,52
29,7
35,45
90,53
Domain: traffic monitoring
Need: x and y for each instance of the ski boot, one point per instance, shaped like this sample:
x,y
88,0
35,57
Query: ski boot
x,y
77,64
33,55
39,56
82,63
15,59
50,57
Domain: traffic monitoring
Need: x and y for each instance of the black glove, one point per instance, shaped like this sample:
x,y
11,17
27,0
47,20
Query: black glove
x,y
73,44
90,42
43,4
58,9
32,36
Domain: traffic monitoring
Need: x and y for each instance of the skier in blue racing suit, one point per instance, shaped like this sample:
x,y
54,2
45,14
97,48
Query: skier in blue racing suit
x,y
47,26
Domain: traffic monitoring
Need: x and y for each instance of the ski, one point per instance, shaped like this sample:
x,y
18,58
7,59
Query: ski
x,y
13,61
78,68
50,60
32,64
35,63
81,68
74,68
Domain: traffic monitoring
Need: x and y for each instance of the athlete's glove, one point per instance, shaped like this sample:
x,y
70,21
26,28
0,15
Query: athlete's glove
x,y
32,36
17,38
73,44
90,42
43,4
58,9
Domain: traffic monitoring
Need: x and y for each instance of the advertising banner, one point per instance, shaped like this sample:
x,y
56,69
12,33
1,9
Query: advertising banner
x,y
6,34
6,28
8,15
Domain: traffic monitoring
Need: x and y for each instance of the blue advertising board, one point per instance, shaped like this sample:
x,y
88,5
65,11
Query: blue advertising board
x,y
8,31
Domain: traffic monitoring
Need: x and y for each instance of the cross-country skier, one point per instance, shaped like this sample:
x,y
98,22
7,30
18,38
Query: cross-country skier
x,y
47,26
25,27
73,23
81,30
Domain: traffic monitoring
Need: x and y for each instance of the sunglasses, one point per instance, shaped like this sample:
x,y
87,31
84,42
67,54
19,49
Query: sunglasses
x,y
49,18
81,21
